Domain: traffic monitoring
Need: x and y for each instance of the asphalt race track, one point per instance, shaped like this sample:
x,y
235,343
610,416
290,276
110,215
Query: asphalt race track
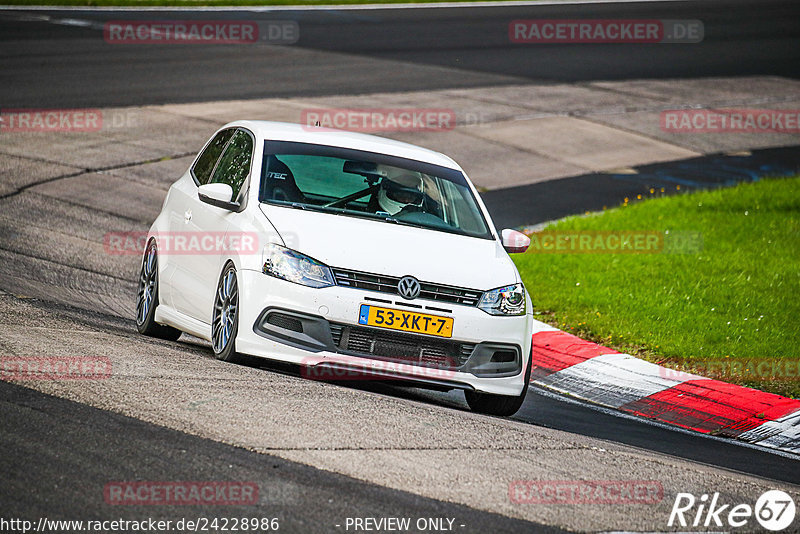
x,y
319,452
339,53
37,426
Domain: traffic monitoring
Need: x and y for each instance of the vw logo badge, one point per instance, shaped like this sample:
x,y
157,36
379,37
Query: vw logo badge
x,y
408,287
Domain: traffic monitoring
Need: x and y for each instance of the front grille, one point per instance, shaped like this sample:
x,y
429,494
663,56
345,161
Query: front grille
x,y
457,295
370,282
388,284
406,348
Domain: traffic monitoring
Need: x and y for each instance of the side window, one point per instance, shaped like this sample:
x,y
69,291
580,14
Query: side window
x,y
234,165
462,211
205,163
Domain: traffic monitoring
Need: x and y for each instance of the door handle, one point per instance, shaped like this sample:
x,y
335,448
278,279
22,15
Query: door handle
x,y
187,216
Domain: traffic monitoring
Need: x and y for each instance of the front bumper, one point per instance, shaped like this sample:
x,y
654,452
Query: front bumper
x,y
316,328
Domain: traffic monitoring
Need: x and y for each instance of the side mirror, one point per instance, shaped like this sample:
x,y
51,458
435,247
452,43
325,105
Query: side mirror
x,y
515,242
218,195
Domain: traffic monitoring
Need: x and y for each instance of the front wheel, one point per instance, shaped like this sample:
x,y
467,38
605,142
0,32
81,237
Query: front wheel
x,y
502,405
147,298
225,319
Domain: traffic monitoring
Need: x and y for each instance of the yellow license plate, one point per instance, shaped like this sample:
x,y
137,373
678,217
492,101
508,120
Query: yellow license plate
x,y
418,323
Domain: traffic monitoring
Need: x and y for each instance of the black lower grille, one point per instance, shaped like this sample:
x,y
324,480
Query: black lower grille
x,y
282,320
336,333
406,348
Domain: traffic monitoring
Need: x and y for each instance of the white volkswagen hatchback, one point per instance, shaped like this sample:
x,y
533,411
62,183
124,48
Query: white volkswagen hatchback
x,y
348,254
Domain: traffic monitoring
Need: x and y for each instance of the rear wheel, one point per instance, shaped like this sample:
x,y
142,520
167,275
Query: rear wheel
x,y
502,405
147,298
225,319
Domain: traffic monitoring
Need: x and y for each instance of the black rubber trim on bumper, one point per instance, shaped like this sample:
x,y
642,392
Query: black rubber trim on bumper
x,y
315,337
481,365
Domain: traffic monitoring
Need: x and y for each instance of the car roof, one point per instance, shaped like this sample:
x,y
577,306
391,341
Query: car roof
x,y
285,131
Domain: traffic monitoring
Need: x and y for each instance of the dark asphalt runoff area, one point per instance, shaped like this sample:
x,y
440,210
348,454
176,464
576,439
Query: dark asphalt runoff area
x,y
546,201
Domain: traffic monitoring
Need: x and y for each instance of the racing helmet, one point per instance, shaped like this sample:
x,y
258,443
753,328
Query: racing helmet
x,y
397,192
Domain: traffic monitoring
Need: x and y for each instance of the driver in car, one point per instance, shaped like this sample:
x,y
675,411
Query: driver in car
x,y
403,192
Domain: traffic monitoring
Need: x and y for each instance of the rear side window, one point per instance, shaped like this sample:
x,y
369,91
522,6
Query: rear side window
x,y
205,163
234,165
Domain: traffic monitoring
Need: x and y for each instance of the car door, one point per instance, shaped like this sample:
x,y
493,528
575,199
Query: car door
x,y
211,223
177,263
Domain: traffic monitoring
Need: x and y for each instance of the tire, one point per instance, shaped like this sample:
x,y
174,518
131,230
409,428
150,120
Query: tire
x,y
500,405
225,317
147,298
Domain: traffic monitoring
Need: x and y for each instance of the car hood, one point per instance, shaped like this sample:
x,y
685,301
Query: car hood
x,y
391,249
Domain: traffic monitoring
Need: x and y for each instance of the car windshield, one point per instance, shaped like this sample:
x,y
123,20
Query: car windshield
x,y
365,184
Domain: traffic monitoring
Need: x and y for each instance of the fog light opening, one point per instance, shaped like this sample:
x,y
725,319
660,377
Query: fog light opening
x,y
504,356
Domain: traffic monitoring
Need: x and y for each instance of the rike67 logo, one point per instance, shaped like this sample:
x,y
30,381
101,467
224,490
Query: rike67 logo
x,y
774,510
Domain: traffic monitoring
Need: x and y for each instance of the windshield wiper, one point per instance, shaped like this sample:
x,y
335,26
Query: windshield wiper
x,y
325,209
448,230
304,207
363,215
406,223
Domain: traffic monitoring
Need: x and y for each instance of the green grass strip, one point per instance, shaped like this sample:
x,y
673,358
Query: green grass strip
x,y
719,295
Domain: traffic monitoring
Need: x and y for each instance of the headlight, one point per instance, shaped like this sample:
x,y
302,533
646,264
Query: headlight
x,y
508,300
287,264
